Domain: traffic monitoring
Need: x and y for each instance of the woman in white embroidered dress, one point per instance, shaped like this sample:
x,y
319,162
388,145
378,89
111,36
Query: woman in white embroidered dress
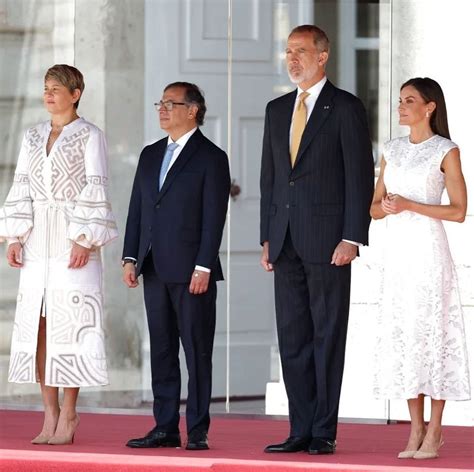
x,y
55,219
421,349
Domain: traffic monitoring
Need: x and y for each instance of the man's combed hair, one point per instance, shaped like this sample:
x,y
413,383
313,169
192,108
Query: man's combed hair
x,y
320,38
193,95
68,76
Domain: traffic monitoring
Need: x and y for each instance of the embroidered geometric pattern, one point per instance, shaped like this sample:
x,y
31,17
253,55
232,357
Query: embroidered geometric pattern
x,y
68,172
55,200
36,164
22,367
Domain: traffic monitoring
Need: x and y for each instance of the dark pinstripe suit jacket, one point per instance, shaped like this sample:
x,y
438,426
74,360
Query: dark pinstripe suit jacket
x,y
326,196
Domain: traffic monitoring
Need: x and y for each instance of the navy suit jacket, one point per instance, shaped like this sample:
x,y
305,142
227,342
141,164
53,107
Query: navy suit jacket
x,y
326,196
183,222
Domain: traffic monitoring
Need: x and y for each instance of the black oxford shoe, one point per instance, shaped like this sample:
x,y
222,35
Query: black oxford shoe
x,y
156,439
322,446
197,441
292,444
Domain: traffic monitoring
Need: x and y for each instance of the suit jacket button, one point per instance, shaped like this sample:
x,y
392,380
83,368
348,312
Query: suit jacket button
x,y
292,183
149,227
157,205
287,205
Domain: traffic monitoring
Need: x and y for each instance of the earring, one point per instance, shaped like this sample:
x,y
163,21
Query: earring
x,y
427,114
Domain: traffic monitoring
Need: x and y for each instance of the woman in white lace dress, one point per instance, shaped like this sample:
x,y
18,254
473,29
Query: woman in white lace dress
x,y
55,219
421,348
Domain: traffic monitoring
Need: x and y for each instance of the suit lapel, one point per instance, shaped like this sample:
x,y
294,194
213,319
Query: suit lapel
x,y
285,115
184,156
319,115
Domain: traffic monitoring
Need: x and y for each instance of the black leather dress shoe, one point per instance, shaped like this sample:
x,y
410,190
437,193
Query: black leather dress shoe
x,y
322,446
156,439
197,441
292,444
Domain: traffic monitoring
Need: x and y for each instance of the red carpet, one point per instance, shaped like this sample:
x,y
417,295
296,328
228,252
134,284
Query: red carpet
x,y
236,445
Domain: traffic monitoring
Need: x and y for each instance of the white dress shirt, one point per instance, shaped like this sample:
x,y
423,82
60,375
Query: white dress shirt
x,y
181,142
310,101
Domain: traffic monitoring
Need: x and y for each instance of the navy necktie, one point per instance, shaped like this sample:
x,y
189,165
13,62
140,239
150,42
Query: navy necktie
x,y
166,163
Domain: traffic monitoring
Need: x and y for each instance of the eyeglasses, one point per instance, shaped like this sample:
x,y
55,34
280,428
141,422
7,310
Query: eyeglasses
x,y
168,105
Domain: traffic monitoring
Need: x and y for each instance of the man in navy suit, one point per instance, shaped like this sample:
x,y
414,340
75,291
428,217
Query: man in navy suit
x,y
174,229
316,182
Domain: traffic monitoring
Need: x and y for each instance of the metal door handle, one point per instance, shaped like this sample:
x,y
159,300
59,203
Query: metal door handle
x,y
234,190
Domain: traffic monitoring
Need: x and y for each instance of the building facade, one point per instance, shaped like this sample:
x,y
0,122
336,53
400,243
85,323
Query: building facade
x,y
128,51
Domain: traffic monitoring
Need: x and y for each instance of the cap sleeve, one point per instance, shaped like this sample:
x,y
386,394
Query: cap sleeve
x,y
444,147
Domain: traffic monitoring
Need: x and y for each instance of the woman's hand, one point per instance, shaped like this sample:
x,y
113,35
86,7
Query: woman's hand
x,y
14,255
79,256
394,203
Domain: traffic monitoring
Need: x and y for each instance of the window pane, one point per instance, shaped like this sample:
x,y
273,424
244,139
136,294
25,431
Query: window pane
x,y
368,18
367,67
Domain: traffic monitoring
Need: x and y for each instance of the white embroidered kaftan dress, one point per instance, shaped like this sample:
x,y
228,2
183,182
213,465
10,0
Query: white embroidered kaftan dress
x,y
55,200
421,348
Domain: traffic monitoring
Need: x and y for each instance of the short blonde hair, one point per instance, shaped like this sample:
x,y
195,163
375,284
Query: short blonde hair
x,y
68,76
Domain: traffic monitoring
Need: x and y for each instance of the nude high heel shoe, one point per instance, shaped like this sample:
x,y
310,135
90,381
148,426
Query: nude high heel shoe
x,y
429,454
62,441
410,454
41,439
66,439
406,454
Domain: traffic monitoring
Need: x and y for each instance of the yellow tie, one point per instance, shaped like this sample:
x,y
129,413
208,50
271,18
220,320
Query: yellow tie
x,y
299,123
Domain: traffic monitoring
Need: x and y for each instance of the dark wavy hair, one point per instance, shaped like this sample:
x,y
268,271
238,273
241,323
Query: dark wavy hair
x,y
431,91
192,95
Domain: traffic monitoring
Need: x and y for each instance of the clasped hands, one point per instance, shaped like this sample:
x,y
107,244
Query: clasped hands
x,y
393,203
79,256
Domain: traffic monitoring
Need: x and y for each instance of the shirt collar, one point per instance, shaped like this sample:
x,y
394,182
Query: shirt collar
x,y
181,142
315,89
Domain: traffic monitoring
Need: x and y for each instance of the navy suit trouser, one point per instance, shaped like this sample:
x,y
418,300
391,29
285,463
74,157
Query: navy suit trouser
x,y
173,314
312,309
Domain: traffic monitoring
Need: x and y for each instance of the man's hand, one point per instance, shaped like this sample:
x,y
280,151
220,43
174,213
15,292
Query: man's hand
x,y
14,255
268,266
128,275
344,253
79,256
199,282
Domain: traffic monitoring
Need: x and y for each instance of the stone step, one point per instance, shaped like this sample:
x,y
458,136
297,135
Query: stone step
x,y
7,314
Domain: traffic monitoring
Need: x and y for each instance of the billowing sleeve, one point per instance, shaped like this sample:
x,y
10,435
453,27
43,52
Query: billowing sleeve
x,y
16,215
92,222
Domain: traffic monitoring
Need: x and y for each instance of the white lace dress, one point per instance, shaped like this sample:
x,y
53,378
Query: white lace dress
x,y
54,201
421,346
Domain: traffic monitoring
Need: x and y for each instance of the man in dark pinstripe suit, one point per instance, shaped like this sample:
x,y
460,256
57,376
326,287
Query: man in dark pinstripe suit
x,y
316,188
